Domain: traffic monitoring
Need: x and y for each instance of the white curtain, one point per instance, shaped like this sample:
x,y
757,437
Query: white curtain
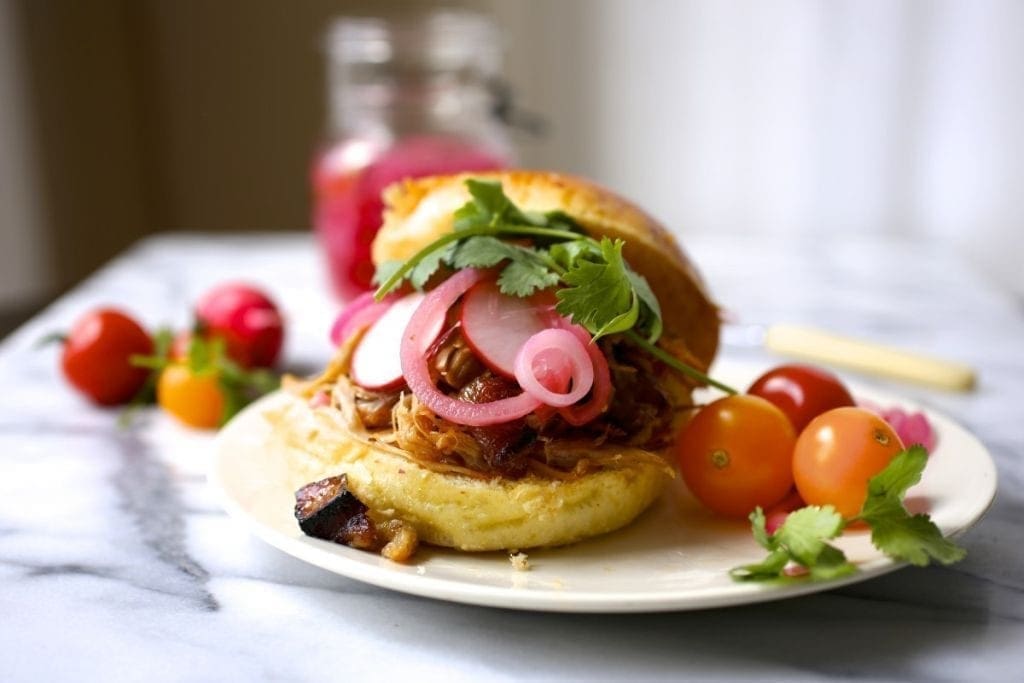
x,y
798,117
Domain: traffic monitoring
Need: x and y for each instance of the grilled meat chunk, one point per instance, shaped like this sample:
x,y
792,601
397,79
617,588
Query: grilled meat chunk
x,y
503,447
453,361
326,509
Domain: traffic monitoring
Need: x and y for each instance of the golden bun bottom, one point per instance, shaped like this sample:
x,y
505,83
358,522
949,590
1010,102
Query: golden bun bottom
x,y
466,513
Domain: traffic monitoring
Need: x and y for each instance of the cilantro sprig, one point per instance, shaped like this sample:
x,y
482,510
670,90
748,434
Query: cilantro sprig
x,y
599,289
803,539
205,357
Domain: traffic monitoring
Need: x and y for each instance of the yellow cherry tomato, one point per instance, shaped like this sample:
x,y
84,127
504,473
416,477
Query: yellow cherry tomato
x,y
196,399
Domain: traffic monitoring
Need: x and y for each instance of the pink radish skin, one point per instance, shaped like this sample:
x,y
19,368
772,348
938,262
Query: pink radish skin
x,y
247,320
361,312
496,325
376,362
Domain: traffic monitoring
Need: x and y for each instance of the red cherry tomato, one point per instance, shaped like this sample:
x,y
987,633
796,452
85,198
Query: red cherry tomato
x,y
97,352
802,392
736,454
246,319
838,453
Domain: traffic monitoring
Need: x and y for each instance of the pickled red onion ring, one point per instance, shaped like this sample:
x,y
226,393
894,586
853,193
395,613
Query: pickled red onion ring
x,y
601,394
417,340
360,313
542,354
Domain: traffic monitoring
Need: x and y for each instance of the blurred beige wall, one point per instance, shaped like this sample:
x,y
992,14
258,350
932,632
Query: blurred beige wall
x,y
148,115
24,265
798,119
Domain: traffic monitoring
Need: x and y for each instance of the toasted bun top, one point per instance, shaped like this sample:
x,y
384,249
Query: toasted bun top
x,y
419,211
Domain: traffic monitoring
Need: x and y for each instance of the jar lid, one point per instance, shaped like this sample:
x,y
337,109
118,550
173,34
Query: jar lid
x,y
431,41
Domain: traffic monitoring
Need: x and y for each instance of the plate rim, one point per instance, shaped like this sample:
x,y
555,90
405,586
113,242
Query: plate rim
x,y
382,573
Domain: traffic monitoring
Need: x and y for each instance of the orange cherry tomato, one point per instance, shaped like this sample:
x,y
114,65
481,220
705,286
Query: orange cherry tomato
x,y
836,455
737,454
195,399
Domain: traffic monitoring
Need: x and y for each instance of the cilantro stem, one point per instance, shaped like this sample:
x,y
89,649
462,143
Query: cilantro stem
x,y
540,232
674,363
444,241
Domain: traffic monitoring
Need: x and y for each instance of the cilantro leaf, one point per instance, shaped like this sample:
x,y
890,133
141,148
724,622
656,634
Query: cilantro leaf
x,y
650,312
759,526
523,278
831,563
801,539
603,293
429,265
894,531
566,254
805,532
385,270
562,221
914,539
892,483
769,568
527,272
599,295
482,252
205,357
490,207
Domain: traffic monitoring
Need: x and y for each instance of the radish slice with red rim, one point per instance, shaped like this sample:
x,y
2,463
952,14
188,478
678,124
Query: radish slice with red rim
x,y
418,338
496,326
360,313
376,362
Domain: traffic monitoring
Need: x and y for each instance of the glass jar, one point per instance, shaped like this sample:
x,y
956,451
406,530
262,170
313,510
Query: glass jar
x,y
407,98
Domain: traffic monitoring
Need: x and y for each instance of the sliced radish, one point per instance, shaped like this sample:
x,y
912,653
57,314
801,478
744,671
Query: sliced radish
x,y
496,325
361,312
417,340
377,362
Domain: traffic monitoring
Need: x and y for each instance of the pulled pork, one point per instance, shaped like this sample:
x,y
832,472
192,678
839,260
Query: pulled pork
x,y
646,401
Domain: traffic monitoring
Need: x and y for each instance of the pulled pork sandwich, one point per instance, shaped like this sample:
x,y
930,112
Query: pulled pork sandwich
x,y
516,378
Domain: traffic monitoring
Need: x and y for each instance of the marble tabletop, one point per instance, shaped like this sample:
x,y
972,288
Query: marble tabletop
x,y
117,564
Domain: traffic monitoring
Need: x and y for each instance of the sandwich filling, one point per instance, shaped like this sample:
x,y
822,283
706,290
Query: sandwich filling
x,y
641,414
514,345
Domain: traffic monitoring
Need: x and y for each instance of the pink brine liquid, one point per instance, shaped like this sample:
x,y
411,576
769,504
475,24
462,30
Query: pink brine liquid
x,y
347,183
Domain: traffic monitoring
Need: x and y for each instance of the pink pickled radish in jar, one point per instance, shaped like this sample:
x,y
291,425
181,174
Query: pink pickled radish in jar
x,y
408,98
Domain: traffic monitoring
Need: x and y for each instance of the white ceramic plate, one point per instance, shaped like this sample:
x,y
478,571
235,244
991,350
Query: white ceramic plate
x,y
676,556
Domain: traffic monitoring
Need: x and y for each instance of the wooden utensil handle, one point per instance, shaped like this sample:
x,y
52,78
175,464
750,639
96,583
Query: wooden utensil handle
x,y
824,347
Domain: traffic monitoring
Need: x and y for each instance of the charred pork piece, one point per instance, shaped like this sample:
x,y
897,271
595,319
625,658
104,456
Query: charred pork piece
x,y
504,447
326,509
